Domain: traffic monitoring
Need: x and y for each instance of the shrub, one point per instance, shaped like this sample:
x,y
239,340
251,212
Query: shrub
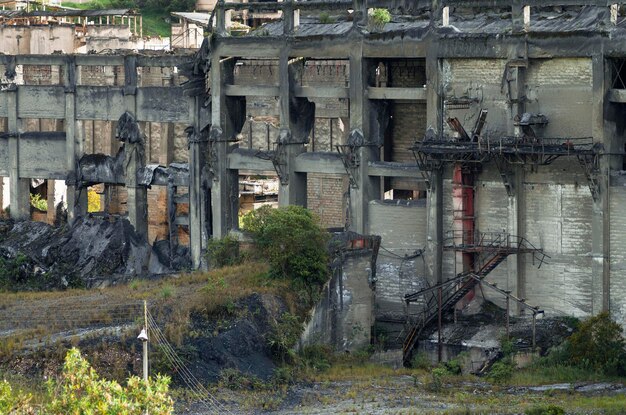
x,y
38,202
293,242
545,410
284,336
501,371
223,252
316,357
421,361
599,344
13,403
81,391
379,17
325,18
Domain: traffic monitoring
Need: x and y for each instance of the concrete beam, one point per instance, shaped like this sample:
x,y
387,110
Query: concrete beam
x,y
319,162
244,159
400,94
392,169
617,96
251,91
321,92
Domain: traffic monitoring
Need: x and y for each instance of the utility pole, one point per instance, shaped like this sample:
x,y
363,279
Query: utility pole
x,y
143,336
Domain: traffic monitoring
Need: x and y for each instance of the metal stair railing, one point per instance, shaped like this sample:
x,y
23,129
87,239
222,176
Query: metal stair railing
x,y
498,244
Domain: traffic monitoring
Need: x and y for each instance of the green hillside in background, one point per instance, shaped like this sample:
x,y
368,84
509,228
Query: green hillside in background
x,y
156,13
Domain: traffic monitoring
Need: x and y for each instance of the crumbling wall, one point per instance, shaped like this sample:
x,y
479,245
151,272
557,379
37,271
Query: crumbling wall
x,y
402,226
472,84
344,316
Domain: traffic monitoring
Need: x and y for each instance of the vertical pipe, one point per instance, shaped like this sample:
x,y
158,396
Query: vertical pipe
x,y
534,330
439,344
508,300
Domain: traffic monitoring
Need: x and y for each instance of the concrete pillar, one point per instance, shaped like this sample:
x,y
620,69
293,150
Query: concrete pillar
x,y
292,189
19,188
137,202
434,117
74,141
225,182
367,188
600,221
435,223
516,225
199,195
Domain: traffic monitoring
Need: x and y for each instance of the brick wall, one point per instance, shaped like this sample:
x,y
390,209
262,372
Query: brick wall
x,y
42,75
325,197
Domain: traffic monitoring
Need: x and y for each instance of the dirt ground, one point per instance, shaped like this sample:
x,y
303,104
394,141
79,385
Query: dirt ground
x,y
402,395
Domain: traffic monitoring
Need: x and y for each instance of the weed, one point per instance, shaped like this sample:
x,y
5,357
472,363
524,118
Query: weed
x,y
325,18
167,292
421,361
223,252
545,410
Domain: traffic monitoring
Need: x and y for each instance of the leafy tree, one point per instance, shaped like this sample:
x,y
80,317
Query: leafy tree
x,y
599,344
294,244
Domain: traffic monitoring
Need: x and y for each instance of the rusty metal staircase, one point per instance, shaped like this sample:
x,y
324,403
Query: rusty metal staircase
x,y
491,249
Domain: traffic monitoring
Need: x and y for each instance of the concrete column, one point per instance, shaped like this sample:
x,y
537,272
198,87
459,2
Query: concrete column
x,y
517,226
137,202
367,188
225,184
199,195
19,188
600,223
292,189
74,142
434,116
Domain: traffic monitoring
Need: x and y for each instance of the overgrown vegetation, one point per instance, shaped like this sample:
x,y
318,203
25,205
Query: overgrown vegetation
x,y
80,390
38,202
292,241
156,13
378,18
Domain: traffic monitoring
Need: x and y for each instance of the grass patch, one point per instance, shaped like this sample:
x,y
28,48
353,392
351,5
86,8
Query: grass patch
x,y
545,375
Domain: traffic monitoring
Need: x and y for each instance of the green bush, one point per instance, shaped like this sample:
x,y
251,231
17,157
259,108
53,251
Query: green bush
x,y
599,344
13,403
380,17
545,410
38,202
421,361
223,252
316,357
293,242
325,18
501,371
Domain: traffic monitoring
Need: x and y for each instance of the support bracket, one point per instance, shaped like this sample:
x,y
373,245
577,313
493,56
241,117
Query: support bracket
x,y
591,167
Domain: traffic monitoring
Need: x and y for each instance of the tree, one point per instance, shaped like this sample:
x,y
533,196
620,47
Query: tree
x,y
600,345
294,244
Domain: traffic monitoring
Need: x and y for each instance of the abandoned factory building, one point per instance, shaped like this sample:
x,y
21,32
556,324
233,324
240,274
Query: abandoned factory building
x,y
481,140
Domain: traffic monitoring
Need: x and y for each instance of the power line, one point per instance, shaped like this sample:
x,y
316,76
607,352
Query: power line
x,y
184,372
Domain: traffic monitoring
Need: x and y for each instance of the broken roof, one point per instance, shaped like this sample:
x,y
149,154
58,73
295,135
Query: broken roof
x,y
67,13
201,19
